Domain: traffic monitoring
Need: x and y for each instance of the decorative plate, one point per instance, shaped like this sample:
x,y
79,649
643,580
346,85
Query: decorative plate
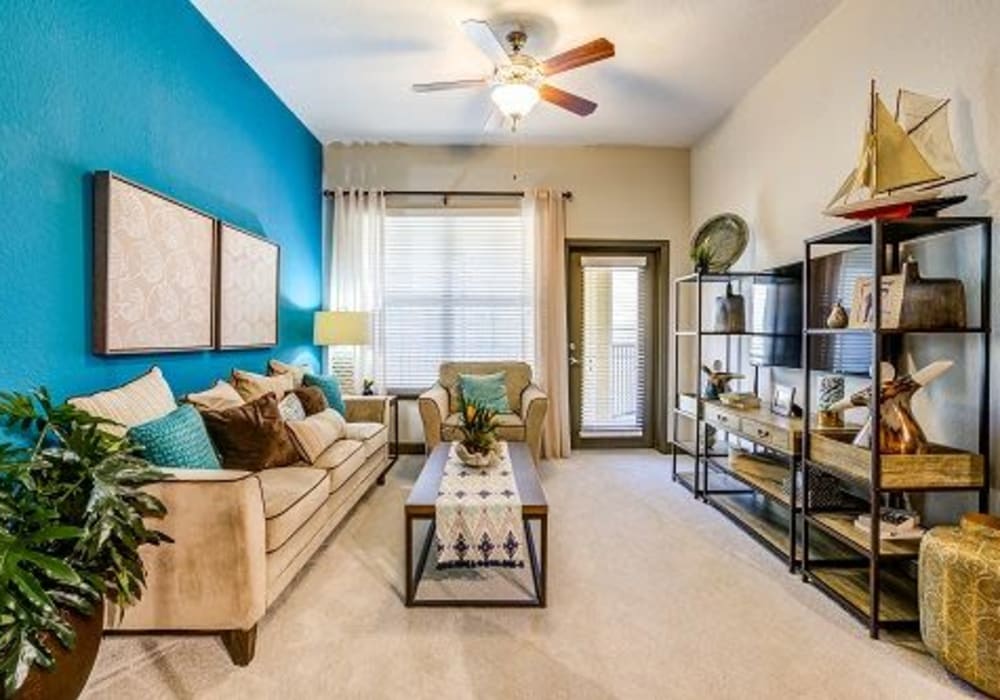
x,y
726,237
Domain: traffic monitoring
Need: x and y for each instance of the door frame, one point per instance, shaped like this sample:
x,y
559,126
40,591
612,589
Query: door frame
x,y
659,328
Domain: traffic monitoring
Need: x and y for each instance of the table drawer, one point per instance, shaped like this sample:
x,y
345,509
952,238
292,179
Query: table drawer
x,y
769,435
722,418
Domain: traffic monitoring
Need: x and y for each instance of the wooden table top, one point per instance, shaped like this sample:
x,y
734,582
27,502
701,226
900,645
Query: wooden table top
x,y
425,491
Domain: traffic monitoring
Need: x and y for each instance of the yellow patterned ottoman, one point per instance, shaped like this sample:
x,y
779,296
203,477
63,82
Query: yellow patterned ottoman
x,y
960,599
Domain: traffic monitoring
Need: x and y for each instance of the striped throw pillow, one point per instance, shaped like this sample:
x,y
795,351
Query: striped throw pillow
x,y
139,401
316,433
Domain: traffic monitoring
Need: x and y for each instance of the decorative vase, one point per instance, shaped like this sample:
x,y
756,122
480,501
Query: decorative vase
x,y
838,316
477,460
730,312
72,667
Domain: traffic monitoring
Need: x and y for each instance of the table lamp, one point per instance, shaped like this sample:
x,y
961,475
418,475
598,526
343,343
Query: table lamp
x,y
342,329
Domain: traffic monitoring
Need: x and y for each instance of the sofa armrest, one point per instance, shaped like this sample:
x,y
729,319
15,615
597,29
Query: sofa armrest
x,y
367,409
534,406
433,405
213,576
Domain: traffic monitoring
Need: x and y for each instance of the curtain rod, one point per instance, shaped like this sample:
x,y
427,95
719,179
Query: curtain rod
x,y
453,193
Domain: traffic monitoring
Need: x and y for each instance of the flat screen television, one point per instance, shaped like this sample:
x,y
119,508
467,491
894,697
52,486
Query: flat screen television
x,y
776,318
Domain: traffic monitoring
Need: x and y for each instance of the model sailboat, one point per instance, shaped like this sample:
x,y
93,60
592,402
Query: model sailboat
x,y
905,161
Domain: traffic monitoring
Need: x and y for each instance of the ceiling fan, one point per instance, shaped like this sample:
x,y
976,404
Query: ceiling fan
x,y
518,81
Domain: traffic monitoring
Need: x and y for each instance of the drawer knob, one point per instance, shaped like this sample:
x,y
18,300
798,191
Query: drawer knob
x,y
763,433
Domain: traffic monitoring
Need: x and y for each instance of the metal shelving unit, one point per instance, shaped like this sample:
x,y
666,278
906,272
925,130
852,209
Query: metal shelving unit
x,y
881,593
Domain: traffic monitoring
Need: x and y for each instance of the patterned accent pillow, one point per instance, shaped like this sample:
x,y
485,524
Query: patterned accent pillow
x,y
486,390
252,386
313,399
252,436
297,372
291,408
178,439
316,433
139,401
218,398
330,387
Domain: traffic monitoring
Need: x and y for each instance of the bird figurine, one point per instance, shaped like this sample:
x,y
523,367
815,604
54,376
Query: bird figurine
x,y
717,382
899,432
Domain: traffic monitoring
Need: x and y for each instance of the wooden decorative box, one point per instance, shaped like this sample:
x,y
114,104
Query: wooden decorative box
x,y
942,467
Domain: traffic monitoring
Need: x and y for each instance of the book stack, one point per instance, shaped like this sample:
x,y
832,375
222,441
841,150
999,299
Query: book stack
x,y
897,524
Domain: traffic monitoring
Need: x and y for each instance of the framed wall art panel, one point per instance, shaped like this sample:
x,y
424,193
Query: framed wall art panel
x,y
154,271
249,269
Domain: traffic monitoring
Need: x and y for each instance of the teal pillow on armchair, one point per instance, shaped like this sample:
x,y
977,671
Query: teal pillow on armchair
x,y
178,439
330,386
485,390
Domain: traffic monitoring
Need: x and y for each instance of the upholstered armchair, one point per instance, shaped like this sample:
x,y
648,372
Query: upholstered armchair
x,y
960,599
528,403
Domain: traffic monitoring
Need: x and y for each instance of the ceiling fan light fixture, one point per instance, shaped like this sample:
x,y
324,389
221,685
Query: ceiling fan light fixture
x,y
515,100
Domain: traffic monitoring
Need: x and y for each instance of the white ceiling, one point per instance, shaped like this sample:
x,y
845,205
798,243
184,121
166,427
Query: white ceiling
x,y
345,66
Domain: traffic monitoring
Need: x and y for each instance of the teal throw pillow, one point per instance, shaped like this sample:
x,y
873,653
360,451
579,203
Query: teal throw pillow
x,y
330,386
485,390
178,439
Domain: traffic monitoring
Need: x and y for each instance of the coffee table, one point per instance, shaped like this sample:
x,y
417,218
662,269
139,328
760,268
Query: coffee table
x,y
534,509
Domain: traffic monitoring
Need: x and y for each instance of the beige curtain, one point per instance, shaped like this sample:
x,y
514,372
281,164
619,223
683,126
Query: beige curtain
x,y
545,216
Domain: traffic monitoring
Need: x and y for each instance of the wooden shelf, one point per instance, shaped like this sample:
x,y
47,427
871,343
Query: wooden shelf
x,y
841,526
765,477
898,596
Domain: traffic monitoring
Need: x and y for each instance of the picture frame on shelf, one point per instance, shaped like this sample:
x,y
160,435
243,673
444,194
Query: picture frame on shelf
x,y
782,399
863,307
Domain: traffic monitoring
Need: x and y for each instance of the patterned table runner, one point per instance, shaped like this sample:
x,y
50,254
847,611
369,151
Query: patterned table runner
x,y
478,515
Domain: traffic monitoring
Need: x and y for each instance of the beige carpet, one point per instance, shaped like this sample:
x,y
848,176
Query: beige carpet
x,y
651,595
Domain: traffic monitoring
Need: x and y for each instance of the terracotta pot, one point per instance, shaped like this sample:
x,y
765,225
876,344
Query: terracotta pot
x,y
66,679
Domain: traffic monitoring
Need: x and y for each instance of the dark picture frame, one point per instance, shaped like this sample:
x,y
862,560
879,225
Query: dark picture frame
x,y
154,271
782,399
247,309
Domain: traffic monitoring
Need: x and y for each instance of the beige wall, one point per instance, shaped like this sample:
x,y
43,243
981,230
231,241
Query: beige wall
x,y
782,151
618,192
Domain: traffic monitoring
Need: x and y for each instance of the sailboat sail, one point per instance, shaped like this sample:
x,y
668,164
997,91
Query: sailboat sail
x,y
926,121
899,162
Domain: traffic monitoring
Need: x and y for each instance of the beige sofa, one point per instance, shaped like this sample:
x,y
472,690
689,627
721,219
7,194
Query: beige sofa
x,y
241,537
528,403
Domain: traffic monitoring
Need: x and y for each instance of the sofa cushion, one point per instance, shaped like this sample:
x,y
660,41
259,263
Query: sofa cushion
x,y
509,427
330,386
218,398
291,496
178,439
487,391
139,401
252,386
341,460
296,372
313,399
251,436
372,435
316,433
518,377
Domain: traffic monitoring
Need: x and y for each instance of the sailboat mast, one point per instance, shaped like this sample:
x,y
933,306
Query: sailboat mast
x,y
873,139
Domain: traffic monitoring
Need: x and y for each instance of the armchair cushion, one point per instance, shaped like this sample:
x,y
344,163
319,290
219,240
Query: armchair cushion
x,y
509,427
486,390
291,496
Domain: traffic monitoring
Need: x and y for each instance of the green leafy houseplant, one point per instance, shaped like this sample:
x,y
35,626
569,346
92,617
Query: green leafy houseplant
x,y
702,258
478,426
71,525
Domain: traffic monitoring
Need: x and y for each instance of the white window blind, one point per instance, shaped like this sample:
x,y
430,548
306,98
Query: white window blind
x,y
615,328
459,285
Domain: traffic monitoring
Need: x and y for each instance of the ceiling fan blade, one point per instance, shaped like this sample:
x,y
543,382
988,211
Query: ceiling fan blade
x,y
596,50
449,85
567,100
482,35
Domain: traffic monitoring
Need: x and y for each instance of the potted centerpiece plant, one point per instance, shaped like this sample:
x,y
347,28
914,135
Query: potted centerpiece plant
x,y
478,446
71,526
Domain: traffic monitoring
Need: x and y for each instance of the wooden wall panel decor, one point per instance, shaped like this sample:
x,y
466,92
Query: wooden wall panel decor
x,y
154,271
249,269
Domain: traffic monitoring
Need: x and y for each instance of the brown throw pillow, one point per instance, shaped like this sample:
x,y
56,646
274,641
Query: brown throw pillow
x,y
313,399
252,436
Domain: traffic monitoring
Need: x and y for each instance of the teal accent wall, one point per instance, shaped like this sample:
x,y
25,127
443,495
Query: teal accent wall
x,y
150,90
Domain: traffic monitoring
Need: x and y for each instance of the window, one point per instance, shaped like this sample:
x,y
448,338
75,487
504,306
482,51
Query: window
x,y
459,285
